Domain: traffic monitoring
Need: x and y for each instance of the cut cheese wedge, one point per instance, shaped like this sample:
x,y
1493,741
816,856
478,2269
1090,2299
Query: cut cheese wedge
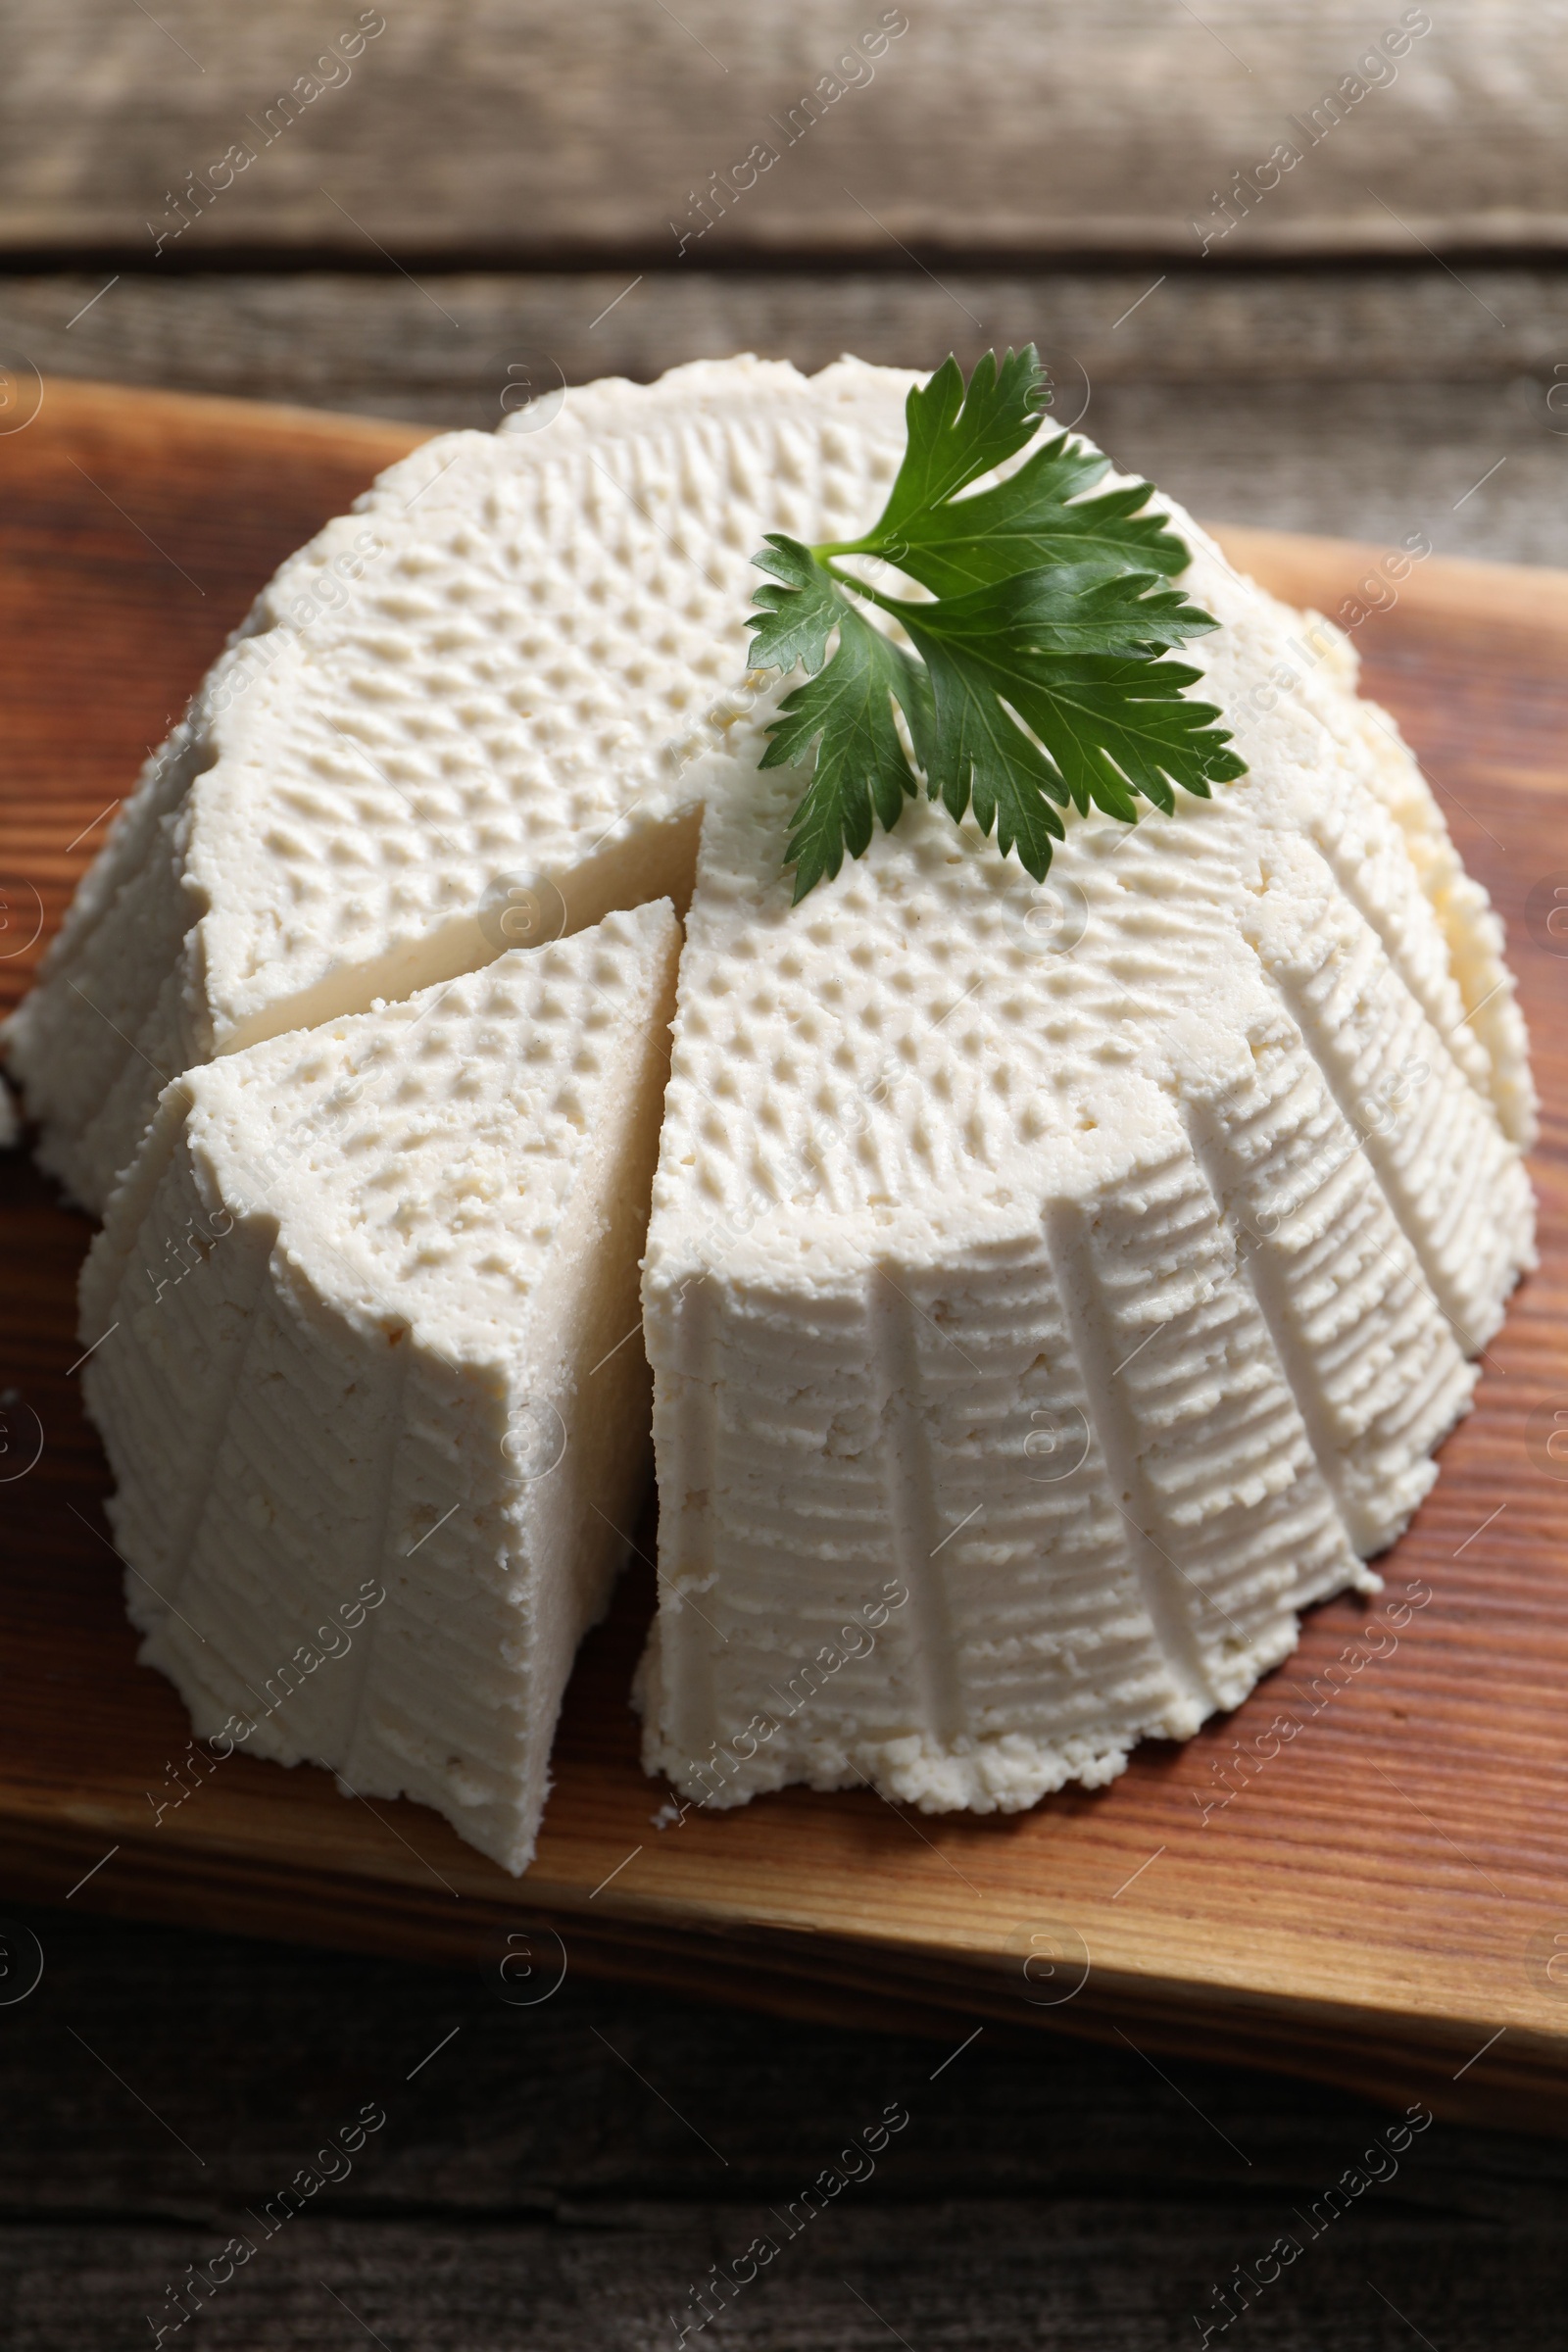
x,y
366,1365
1051,1291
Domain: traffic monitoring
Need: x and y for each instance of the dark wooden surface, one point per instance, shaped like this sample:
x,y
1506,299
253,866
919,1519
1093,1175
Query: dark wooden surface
x,y
560,2178
528,2190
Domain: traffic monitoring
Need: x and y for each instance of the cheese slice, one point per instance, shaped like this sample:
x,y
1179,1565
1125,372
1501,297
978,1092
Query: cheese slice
x,y
366,1361
474,715
1052,1291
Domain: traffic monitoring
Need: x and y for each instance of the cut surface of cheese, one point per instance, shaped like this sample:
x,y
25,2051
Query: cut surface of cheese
x,y
476,714
363,1310
1052,1290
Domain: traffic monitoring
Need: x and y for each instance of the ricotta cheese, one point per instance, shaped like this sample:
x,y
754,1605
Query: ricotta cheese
x,y
1051,1291
366,1361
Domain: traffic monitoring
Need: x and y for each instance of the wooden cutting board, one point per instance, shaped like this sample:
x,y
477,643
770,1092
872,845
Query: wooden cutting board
x,y
1378,1894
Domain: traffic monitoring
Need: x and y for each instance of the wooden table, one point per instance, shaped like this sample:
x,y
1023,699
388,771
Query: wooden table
x,y
1374,348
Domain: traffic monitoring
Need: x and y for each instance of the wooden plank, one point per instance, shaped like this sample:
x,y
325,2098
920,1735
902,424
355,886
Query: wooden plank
x,y
1359,402
988,2278
532,2177
1375,1905
1016,128
324,335
543,2104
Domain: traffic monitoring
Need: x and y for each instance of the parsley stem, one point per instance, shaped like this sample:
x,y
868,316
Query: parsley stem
x,y
897,605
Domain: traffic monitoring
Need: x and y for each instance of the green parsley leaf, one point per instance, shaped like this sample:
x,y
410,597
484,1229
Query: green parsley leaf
x,y
797,619
956,436
1036,676
1111,728
1027,520
1067,609
860,763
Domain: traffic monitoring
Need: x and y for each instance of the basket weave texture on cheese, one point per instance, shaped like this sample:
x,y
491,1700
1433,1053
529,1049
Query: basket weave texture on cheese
x,y
359,1304
1050,1288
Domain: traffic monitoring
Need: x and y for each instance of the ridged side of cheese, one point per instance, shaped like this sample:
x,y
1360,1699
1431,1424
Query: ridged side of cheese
x,y
1323,669
1103,1306
362,1312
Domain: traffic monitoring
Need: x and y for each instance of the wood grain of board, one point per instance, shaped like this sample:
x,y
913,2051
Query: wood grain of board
x,y
1025,126
1383,1902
